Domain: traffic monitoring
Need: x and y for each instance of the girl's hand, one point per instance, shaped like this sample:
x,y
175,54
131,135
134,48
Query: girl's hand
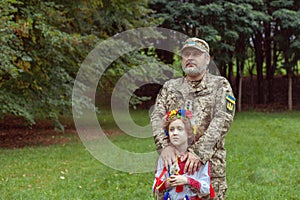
x,y
176,180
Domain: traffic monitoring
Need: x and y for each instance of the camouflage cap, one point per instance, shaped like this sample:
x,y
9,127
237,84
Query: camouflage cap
x,y
196,43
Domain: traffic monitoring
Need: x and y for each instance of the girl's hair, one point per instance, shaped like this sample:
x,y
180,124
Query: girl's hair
x,y
185,120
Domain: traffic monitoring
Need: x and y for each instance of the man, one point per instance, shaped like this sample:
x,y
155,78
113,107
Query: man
x,y
211,100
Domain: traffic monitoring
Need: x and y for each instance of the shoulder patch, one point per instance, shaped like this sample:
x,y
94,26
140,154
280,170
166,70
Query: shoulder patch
x,y
230,103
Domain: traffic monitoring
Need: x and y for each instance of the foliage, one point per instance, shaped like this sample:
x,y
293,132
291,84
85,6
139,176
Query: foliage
x,y
132,71
220,23
40,59
43,44
270,29
288,33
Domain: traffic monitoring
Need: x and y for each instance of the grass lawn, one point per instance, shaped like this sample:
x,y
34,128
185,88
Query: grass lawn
x,y
262,163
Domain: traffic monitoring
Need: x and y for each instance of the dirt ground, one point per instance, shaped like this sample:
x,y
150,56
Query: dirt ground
x,y
15,134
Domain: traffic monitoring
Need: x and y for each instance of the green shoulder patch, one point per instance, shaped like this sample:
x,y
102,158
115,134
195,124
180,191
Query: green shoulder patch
x,y
230,103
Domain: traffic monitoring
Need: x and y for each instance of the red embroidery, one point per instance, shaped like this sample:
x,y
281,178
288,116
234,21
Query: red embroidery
x,y
161,185
194,183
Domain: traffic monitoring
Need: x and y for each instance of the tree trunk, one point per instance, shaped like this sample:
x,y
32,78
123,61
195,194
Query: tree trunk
x,y
223,69
230,72
268,55
252,90
272,72
242,66
239,81
240,93
259,58
290,92
289,71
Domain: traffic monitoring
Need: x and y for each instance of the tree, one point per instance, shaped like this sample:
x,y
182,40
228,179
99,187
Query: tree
x,y
287,37
231,27
226,25
37,55
43,43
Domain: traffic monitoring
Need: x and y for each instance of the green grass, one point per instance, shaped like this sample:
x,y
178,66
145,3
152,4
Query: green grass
x,y
106,119
263,156
262,163
65,172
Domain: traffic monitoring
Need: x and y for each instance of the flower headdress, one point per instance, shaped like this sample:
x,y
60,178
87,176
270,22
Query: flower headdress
x,y
179,113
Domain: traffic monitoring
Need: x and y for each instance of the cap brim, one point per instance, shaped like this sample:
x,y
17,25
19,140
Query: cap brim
x,y
194,47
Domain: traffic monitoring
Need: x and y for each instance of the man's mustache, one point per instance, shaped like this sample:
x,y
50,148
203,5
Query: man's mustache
x,y
189,62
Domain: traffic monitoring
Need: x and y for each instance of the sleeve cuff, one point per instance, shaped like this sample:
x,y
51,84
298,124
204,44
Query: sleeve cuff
x,y
203,162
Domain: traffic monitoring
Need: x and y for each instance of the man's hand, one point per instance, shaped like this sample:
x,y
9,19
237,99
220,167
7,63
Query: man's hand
x,y
168,155
176,180
192,164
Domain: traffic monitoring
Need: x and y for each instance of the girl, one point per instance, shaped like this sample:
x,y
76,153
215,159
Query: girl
x,y
171,182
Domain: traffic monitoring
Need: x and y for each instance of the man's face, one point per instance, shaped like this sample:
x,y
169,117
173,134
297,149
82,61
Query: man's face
x,y
194,61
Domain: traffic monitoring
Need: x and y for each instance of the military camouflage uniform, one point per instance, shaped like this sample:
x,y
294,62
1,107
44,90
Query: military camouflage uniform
x,y
213,105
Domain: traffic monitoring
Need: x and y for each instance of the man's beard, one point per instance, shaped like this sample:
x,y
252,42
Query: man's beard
x,y
193,71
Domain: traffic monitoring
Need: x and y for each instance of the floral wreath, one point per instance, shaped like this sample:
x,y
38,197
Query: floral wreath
x,y
179,113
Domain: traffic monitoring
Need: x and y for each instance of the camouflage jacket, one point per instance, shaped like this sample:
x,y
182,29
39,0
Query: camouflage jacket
x,y
212,104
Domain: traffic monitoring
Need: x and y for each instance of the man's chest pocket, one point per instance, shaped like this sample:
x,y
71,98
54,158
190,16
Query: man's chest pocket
x,y
174,100
204,108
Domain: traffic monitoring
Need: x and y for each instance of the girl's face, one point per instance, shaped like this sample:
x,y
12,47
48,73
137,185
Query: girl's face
x,y
177,133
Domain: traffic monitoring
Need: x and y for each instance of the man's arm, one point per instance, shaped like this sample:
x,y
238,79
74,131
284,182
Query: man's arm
x,y
222,118
162,142
156,119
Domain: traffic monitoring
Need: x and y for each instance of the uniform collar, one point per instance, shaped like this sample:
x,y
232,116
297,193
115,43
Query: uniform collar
x,y
198,85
